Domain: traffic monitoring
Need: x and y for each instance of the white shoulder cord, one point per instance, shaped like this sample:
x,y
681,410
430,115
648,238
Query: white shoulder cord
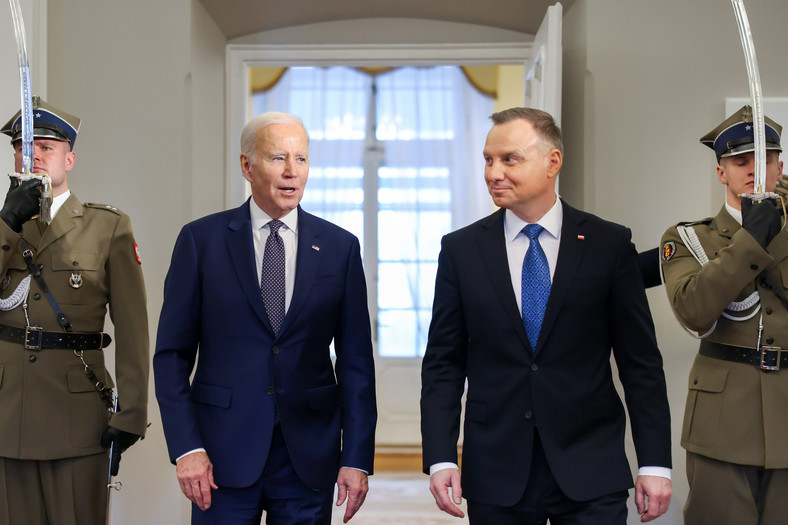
x,y
692,242
17,297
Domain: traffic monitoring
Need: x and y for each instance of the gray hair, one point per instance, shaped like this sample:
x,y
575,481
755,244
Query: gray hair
x,y
253,127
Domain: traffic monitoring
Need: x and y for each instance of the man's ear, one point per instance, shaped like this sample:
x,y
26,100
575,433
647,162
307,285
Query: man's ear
x,y
554,162
721,175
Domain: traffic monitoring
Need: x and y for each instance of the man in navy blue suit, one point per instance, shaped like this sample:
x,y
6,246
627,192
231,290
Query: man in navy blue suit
x,y
544,425
255,296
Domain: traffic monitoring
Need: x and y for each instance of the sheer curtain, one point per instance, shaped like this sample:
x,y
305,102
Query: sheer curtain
x,y
430,129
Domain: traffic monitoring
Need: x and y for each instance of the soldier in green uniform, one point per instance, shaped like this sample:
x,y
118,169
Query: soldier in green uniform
x,y
727,279
55,425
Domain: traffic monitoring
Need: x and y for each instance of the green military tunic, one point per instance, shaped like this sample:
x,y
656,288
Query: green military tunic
x,y
734,412
49,409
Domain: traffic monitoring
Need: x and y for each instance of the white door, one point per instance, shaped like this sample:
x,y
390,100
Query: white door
x,y
399,379
543,69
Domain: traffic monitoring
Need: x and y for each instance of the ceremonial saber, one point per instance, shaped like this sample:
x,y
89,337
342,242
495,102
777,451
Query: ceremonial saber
x,y
24,82
759,131
117,485
27,114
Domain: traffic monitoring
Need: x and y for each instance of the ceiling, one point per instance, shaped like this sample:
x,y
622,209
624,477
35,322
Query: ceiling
x,y
237,18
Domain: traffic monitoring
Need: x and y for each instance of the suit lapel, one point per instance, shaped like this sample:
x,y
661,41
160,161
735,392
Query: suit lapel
x,y
240,248
491,242
570,254
307,263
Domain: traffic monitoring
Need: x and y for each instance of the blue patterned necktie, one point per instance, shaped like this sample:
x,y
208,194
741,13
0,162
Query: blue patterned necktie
x,y
272,280
535,284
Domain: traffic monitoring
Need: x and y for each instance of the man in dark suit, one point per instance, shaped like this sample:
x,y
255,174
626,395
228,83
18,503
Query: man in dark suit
x,y
544,426
267,424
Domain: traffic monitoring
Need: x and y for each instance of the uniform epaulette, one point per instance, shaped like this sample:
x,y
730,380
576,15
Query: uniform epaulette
x,y
107,207
707,220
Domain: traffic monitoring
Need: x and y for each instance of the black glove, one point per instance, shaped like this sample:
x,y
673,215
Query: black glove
x,y
21,202
761,219
122,441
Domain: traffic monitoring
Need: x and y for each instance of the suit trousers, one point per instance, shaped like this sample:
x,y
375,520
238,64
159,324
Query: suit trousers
x,y
723,493
279,492
70,491
543,499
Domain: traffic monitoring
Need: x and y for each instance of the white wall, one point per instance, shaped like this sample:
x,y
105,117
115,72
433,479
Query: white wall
x,y
643,82
147,80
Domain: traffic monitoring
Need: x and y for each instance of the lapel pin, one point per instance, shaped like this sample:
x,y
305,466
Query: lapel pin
x,y
75,280
316,247
581,237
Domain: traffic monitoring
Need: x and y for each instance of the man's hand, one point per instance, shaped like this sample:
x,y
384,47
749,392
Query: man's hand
x,y
761,219
21,202
195,476
353,486
122,441
442,483
652,496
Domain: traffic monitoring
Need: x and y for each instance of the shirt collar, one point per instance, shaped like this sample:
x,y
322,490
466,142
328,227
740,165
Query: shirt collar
x,y
550,221
736,214
57,203
261,218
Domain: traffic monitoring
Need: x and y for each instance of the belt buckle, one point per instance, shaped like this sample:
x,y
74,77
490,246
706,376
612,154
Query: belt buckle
x,y
770,357
33,337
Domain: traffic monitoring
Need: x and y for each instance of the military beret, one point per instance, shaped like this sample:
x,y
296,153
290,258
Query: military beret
x,y
48,122
735,135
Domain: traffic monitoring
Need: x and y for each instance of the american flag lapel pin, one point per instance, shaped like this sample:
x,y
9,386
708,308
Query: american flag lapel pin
x,y
316,247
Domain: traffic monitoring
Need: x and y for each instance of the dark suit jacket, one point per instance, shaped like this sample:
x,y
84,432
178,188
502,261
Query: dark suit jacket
x,y
564,385
212,303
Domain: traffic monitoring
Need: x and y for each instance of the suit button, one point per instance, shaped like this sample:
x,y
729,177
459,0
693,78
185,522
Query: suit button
x,y
275,350
534,367
32,359
768,310
269,390
769,340
529,415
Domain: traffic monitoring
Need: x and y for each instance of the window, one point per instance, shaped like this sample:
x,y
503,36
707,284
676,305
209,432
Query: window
x,y
395,158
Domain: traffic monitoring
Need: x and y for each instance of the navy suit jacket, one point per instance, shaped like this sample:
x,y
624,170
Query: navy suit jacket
x,y
213,314
564,386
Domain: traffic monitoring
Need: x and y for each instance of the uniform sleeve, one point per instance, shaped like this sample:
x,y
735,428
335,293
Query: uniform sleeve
x,y
699,295
128,311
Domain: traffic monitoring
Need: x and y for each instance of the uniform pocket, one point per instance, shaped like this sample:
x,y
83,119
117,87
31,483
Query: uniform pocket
x,y
72,274
88,416
704,404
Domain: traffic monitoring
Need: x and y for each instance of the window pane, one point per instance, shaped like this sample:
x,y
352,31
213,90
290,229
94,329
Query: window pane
x,y
403,333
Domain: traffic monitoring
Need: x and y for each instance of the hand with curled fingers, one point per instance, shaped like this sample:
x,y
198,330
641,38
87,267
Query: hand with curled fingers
x,y
446,489
195,476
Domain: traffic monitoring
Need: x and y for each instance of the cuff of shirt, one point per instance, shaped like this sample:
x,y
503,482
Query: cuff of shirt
x,y
654,471
442,466
189,452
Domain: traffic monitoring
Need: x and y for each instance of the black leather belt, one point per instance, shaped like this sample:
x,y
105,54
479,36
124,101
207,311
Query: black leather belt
x,y
34,338
767,358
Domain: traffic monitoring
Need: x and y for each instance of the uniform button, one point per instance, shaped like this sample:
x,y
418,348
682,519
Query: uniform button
x,y
275,350
529,415
75,263
534,367
32,359
769,340
6,247
269,390
768,310
725,230
37,296
40,266
753,267
695,382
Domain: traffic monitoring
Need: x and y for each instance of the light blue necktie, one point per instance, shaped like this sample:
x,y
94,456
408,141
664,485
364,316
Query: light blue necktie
x,y
535,284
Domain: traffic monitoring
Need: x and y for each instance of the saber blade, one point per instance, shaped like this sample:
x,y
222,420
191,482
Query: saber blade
x,y
24,82
754,76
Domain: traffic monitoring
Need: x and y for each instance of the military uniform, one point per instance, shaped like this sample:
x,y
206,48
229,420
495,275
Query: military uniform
x,y
51,415
723,285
